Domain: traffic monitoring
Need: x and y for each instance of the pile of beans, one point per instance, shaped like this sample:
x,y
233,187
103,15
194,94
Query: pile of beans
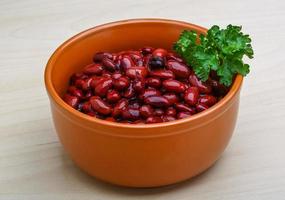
x,y
145,86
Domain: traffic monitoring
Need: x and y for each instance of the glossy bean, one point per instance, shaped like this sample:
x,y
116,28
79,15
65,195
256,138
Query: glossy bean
x,y
129,93
121,83
182,115
191,96
172,56
102,87
153,119
171,97
131,114
146,111
173,86
75,92
126,62
184,108
168,118
203,87
119,107
201,107
153,82
146,50
92,69
71,100
136,72
108,64
163,74
149,92
139,85
100,106
159,52
157,101
208,100
158,112
113,96
180,70
98,57
170,111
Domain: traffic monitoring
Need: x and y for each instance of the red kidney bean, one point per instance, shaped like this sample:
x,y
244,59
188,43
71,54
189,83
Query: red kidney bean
x,y
76,76
113,96
88,94
109,64
96,80
100,106
149,92
173,86
203,87
134,104
131,114
80,83
147,50
208,100
121,83
201,107
170,111
110,119
136,72
180,70
163,74
146,60
126,62
171,97
94,68
102,87
146,111
219,89
168,118
119,107
158,112
184,108
159,52
153,82
71,100
75,92
157,101
106,75
116,75
182,115
92,114
153,119
129,93
137,58
172,56
191,96
86,107
98,57
139,85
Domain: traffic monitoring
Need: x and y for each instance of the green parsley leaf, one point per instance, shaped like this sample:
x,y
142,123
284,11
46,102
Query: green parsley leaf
x,y
220,50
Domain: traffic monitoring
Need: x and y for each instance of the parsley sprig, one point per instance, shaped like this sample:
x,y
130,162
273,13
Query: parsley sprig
x,y
220,50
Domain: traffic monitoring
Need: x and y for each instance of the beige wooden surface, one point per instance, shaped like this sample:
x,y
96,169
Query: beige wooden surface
x,y
33,164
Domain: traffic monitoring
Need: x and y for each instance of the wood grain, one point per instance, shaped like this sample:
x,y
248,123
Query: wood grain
x,y
33,164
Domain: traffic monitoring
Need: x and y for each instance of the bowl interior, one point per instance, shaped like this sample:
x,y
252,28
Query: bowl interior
x,y
78,51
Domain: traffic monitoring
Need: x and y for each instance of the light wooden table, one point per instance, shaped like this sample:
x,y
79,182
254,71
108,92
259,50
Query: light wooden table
x,y
33,164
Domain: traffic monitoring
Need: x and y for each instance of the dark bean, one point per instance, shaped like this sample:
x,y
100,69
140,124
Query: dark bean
x,y
146,111
109,64
131,114
71,100
100,55
149,92
136,72
121,83
102,88
157,101
153,82
163,74
170,111
201,107
203,87
171,97
179,69
173,86
113,96
100,106
191,96
119,107
94,68
208,100
75,92
158,112
153,119
184,108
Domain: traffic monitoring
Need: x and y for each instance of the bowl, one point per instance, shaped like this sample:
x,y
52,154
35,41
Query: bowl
x,y
144,155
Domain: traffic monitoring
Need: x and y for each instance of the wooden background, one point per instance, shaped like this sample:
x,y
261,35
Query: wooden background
x,y
33,164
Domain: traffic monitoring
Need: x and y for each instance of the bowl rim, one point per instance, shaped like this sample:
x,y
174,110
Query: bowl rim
x,y
80,36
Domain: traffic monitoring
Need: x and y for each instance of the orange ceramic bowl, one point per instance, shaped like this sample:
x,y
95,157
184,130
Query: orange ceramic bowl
x,y
144,155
